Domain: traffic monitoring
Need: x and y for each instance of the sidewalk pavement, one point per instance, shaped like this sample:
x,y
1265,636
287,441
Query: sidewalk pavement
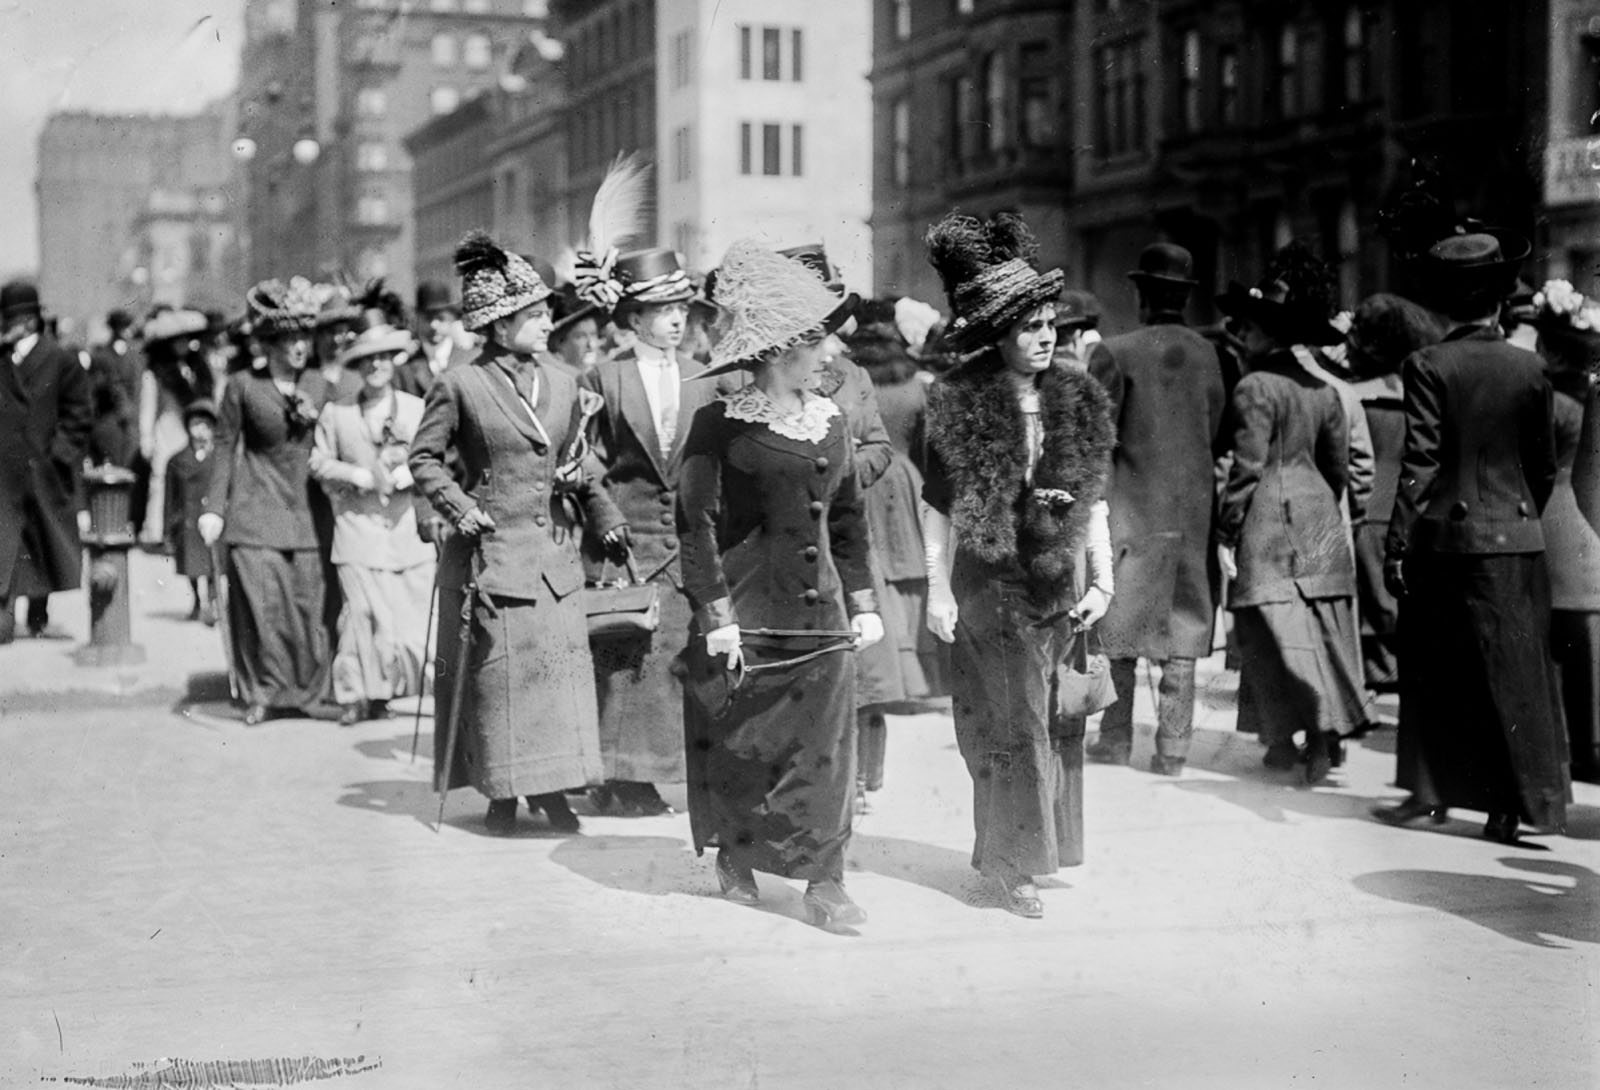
x,y
174,884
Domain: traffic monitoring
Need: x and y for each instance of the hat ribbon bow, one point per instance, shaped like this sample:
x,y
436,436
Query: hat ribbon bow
x,y
593,280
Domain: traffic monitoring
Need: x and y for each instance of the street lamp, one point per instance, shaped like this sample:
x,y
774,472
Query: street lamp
x,y
305,150
244,149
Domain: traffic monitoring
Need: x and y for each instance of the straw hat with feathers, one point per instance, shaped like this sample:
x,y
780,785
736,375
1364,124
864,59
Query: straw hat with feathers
x,y
619,215
767,303
988,268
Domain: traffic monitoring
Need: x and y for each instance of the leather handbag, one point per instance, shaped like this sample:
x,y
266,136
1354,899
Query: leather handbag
x,y
1083,681
627,607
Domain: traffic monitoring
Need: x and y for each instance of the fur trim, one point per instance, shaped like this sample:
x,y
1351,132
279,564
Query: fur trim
x,y
975,425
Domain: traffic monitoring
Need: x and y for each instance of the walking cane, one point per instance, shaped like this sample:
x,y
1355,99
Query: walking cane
x,y
219,610
427,637
458,683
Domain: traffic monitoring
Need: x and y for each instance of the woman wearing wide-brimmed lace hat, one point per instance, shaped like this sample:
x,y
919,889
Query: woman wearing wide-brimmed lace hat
x,y
1018,545
775,563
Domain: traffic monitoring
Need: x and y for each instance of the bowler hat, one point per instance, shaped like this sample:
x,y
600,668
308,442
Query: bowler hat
x,y
1165,263
19,299
1077,309
200,406
433,297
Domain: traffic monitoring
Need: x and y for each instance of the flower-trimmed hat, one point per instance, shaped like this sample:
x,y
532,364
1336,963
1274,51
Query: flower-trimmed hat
x,y
1292,303
494,283
339,306
376,341
989,275
766,302
275,309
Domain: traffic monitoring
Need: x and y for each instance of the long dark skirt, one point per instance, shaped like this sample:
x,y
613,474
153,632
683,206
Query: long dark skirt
x,y
280,647
639,683
772,761
1380,613
1297,669
529,722
1478,721
1575,640
1026,763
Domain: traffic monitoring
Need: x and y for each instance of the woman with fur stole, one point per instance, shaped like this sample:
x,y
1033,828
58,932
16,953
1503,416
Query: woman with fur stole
x,y
1018,549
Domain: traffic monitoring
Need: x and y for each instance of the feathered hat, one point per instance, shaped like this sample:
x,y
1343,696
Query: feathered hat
x,y
619,215
1294,300
494,283
380,306
988,268
275,308
766,302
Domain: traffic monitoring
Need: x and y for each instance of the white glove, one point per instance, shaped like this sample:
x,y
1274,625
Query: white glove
x,y
84,524
868,628
363,480
1091,607
942,613
725,641
210,527
400,477
1227,562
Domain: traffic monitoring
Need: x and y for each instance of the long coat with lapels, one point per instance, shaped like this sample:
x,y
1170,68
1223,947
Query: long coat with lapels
x,y
528,723
46,411
637,677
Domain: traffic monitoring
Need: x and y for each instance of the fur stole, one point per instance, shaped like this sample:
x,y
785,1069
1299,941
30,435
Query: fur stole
x,y
976,427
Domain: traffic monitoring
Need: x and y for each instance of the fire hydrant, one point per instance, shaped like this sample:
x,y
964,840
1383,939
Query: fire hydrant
x,y
110,537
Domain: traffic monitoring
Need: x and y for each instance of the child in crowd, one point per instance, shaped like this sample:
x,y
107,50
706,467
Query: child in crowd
x,y
188,477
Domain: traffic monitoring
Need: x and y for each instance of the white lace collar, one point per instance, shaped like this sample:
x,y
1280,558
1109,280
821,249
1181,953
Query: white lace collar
x,y
810,425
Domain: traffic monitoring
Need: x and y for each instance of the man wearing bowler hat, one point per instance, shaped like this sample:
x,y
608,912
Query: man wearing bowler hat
x,y
46,412
437,320
1077,327
1167,401
1465,558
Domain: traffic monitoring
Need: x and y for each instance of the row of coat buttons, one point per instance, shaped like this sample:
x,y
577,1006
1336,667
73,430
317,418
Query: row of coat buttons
x,y
1459,509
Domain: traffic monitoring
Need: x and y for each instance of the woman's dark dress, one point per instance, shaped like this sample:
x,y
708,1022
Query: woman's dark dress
x,y
772,536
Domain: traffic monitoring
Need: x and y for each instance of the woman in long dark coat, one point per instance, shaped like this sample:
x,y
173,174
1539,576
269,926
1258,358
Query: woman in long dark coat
x,y
1280,524
501,455
259,507
1018,546
775,562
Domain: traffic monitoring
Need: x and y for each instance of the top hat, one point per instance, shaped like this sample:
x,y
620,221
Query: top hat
x,y
988,271
434,297
170,325
1165,263
1077,309
767,302
375,341
18,299
494,283
650,278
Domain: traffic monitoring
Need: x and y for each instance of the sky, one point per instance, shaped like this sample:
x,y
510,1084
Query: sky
x,y
108,56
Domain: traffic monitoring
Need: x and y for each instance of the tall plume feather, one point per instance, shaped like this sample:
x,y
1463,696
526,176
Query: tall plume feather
x,y
478,251
621,210
961,245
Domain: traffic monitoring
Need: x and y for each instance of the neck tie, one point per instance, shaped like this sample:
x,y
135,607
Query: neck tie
x,y
667,389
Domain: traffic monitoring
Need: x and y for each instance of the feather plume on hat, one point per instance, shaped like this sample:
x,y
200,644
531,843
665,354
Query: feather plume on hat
x,y
988,269
619,215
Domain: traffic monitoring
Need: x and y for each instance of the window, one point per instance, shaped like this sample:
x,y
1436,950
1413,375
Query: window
x,y
771,148
996,122
683,240
444,50
1036,98
1119,100
372,102
372,156
1228,85
442,100
682,154
900,139
535,9
682,59
771,48
744,52
1355,55
477,51
744,147
796,52
900,15
797,149
1288,72
372,210
959,116
1189,83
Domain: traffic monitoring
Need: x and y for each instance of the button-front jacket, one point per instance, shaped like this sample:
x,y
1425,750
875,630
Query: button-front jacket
x,y
1480,454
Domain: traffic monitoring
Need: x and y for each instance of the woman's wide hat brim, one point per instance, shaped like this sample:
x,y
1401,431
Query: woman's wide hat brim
x,y
750,357
1288,323
375,342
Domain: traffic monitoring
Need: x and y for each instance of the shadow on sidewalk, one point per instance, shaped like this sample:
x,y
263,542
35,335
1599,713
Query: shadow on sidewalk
x,y
1275,799
942,870
416,799
1548,914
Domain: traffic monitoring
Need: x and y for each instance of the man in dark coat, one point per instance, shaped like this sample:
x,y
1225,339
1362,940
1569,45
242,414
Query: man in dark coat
x,y
1167,401
437,320
1465,556
45,415
114,385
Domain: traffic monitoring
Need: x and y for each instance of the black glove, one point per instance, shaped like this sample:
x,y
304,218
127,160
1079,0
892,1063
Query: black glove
x,y
1394,578
617,544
